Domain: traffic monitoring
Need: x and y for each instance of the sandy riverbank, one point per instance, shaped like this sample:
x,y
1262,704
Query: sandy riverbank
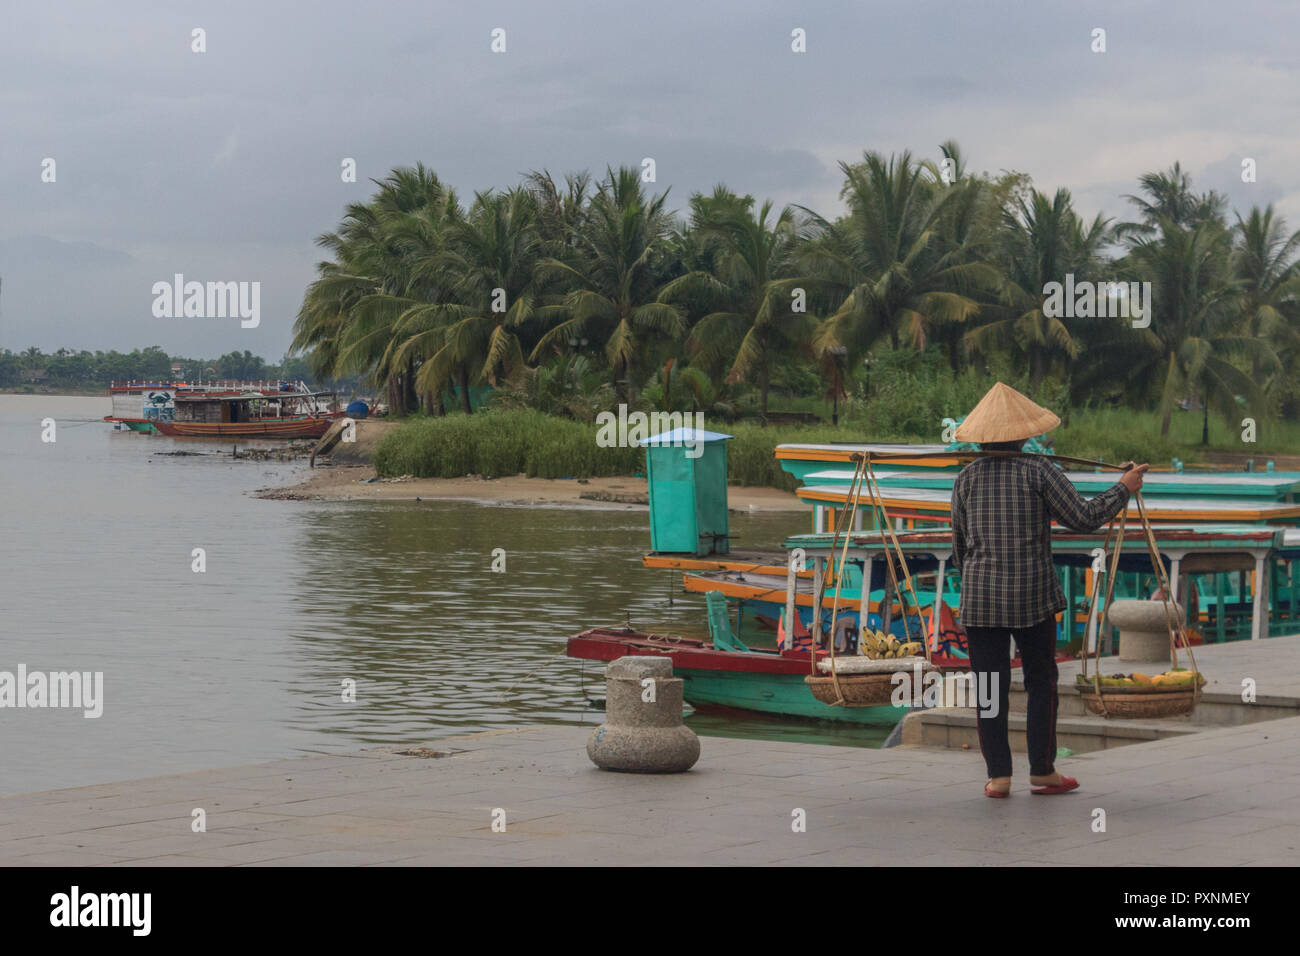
x,y
355,483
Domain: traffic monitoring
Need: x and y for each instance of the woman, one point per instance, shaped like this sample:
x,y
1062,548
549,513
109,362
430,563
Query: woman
x,y
1002,510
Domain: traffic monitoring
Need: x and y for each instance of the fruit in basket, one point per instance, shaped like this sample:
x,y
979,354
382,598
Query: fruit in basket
x,y
1178,677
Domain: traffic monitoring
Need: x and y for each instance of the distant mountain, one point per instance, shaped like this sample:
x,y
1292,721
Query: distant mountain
x,y
43,254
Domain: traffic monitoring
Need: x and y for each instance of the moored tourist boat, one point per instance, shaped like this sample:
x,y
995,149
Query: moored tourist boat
x,y
767,681
933,504
251,413
1236,571
1281,486
140,405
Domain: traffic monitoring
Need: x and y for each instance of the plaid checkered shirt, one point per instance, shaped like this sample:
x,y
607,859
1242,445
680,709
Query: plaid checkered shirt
x,y
1002,511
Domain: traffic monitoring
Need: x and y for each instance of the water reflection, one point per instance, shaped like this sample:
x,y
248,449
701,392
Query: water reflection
x,y
244,662
404,602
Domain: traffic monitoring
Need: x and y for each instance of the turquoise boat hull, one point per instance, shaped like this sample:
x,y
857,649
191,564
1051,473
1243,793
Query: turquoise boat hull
x,y
783,694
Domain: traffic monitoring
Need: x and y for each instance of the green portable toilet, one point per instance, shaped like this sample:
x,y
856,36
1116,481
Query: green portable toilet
x,y
688,495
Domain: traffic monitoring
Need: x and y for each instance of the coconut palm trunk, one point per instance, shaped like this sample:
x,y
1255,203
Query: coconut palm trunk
x,y
410,401
1039,370
394,396
462,379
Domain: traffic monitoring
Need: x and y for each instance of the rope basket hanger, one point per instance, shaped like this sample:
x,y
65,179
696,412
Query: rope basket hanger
x,y
1140,700
871,683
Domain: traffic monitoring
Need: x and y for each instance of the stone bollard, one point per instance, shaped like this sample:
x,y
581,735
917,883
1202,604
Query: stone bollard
x,y
643,735
1143,629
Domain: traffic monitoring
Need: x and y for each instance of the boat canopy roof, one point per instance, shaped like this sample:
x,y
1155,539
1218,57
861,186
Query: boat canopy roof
x,y
246,396
1273,484
681,436
923,538
921,548
938,500
874,448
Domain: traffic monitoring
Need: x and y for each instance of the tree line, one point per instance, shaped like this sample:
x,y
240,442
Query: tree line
x,y
552,291
84,370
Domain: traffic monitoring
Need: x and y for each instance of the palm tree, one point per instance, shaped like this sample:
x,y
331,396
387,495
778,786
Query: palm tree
x,y
487,268
348,314
559,211
756,321
896,276
1268,272
1042,240
678,388
1170,199
613,272
1195,342
1195,318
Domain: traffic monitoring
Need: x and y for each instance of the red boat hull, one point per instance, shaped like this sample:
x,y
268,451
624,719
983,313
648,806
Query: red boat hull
x,y
607,644
271,428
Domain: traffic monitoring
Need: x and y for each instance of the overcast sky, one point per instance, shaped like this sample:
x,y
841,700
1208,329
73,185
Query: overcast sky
x,y
225,165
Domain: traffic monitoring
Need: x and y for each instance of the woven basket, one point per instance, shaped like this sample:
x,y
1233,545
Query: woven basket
x,y
1138,703
859,690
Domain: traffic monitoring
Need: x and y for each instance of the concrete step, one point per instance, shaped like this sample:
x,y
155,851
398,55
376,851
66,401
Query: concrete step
x,y
953,728
1214,709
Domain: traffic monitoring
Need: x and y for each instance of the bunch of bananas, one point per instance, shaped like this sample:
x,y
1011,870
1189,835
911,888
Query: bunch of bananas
x,y
878,645
1178,677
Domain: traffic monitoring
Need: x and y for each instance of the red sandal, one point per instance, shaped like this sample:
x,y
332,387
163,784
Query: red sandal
x,y
1065,786
995,793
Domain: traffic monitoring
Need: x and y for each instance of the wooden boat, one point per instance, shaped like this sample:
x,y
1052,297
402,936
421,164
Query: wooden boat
x,y
935,504
301,427
769,682
252,413
801,459
804,460
1264,486
765,593
758,562
769,584
138,405
1258,554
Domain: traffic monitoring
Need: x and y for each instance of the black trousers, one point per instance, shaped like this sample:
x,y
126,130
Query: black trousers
x,y
990,661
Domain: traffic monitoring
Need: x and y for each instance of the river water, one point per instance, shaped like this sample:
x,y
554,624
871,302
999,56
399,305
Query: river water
x,y
247,660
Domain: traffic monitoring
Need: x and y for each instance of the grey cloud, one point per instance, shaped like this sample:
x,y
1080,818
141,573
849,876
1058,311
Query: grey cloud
x,y
225,165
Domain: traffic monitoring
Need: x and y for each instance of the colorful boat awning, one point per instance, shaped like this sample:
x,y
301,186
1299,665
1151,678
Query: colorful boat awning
x,y
937,502
1274,486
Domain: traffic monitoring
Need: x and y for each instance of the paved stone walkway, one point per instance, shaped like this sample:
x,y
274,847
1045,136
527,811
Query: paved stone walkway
x,y
1225,797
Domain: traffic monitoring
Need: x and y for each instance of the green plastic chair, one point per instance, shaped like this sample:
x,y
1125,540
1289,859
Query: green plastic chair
x,y
720,626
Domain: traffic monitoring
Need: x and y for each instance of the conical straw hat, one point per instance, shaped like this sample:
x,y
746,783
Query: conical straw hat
x,y
1003,414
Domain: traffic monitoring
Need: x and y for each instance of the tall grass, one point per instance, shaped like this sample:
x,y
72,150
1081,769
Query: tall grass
x,y
498,443
1117,434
